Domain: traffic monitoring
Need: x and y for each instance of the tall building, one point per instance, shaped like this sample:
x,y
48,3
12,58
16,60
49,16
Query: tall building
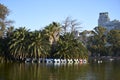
x,y
104,21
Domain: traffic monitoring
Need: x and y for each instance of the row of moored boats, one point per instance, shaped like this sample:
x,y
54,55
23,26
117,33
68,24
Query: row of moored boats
x,y
57,61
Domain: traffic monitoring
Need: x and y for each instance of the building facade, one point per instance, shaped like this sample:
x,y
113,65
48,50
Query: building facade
x,y
104,21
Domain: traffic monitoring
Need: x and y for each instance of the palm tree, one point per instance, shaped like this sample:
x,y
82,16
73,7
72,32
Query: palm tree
x,y
53,31
63,48
17,44
98,41
37,45
69,47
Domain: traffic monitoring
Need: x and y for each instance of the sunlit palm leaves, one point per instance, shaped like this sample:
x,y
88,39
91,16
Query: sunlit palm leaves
x,y
18,43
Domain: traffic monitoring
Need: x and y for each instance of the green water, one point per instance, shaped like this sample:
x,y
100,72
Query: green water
x,y
91,71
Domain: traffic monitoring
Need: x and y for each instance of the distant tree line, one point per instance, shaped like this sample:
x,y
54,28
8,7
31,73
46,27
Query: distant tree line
x,y
54,41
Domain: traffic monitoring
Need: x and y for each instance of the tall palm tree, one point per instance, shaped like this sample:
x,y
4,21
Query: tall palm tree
x,y
53,31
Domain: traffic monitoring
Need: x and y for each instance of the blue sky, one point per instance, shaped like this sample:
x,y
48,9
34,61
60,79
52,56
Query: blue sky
x,y
36,14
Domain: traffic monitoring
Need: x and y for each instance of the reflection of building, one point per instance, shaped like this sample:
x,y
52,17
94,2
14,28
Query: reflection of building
x,y
104,21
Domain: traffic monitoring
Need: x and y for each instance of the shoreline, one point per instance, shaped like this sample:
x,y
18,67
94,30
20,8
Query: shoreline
x,y
104,59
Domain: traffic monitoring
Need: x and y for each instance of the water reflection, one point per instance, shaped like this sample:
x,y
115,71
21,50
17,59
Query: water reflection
x,y
21,71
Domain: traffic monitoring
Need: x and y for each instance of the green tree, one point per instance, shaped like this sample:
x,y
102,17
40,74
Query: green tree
x,y
69,47
4,12
17,44
114,41
4,23
53,31
37,45
96,43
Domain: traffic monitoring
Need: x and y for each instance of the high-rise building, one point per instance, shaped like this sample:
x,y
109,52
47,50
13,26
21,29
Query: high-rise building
x,y
104,21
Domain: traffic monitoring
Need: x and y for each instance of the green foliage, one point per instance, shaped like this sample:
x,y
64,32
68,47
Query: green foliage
x,y
97,42
69,47
1,47
4,52
17,44
52,31
37,45
114,41
104,43
3,11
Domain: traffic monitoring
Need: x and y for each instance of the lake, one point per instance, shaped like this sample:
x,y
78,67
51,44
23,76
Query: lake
x,y
90,71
